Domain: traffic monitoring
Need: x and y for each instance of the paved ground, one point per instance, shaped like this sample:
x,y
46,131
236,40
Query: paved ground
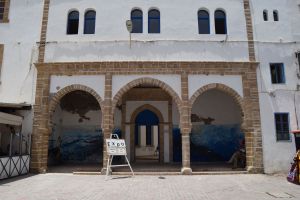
x,y
89,187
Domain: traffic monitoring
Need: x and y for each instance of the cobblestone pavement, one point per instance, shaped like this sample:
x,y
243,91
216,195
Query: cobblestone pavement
x,y
89,187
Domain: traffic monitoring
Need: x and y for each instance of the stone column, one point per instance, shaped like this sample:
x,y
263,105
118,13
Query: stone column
x,y
107,122
40,134
185,126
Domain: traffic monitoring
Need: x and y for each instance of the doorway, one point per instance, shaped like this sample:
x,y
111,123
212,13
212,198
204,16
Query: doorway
x,y
147,136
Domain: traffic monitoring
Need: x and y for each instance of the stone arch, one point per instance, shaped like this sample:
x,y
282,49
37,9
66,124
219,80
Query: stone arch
x,y
221,87
61,93
146,80
161,128
146,107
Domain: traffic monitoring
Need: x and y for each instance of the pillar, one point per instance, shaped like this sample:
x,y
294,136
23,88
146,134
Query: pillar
x,y
185,126
107,121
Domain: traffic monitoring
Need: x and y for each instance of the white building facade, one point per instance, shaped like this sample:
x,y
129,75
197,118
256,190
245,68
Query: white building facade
x,y
191,84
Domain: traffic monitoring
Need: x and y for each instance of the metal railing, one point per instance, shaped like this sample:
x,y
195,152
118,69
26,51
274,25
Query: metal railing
x,y
12,166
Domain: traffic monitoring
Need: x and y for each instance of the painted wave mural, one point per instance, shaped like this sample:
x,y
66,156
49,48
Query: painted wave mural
x,y
213,143
79,145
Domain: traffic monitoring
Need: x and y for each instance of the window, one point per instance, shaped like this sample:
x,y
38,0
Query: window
x,y
203,22
220,22
89,22
73,23
275,15
282,126
137,21
4,5
153,21
265,15
277,73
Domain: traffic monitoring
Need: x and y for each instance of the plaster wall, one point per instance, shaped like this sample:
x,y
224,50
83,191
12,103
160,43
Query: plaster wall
x,y
119,81
198,81
19,37
131,106
97,83
178,40
219,106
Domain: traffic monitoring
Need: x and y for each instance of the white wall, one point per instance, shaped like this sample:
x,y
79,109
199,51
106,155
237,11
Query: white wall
x,y
198,81
178,40
277,42
119,81
19,37
219,106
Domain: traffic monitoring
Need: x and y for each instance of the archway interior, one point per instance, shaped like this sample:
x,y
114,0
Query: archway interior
x,y
146,136
76,137
142,110
216,128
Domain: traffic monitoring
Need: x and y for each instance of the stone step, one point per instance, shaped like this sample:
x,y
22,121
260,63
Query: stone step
x,y
164,173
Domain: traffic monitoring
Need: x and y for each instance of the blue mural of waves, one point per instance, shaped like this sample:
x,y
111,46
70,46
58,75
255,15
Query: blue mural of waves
x,y
214,143
82,145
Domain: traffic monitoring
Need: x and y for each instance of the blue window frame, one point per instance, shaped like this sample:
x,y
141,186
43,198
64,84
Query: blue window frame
x,y
220,22
265,15
275,15
153,21
203,22
89,22
73,23
277,73
137,21
282,126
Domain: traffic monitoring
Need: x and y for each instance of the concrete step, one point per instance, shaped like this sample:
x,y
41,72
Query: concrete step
x,y
164,173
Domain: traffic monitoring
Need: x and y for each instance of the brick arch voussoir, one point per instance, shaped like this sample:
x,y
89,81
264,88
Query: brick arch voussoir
x,y
221,87
155,82
54,101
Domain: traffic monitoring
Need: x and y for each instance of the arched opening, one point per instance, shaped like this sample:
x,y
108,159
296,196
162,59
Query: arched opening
x,y
76,139
73,23
275,15
146,113
265,15
203,22
153,21
89,22
146,135
217,141
220,22
137,21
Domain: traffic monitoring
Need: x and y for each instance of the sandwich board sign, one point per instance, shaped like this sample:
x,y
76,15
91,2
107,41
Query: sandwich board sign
x,y
116,147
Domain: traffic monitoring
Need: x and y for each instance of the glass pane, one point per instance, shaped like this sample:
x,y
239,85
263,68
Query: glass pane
x,y
137,25
153,14
273,73
203,25
154,26
73,27
89,26
90,15
136,13
219,14
74,15
220,26
203,14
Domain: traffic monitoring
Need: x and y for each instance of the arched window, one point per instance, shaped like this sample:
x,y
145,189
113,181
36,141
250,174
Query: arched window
x,y
137,21
275,15
203,22
73,22
153,21
89,22
220,22
265,15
